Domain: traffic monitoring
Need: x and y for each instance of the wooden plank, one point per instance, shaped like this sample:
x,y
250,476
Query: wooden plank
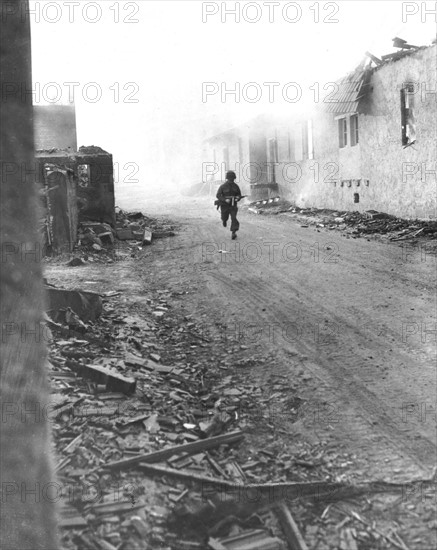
x,y
109,508
164,454
263,493
269,493
291,530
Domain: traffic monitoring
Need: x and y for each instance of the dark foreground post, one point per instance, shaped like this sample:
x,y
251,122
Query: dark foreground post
x,y
28,489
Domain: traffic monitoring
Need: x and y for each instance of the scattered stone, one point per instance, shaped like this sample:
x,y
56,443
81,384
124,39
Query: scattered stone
x,y
101,375
87,305
75,262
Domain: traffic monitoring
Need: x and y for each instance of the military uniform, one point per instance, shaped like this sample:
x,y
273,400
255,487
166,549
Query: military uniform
x,y
228,195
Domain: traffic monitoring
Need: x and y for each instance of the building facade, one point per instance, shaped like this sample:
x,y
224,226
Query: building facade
x,y
369,143
244,151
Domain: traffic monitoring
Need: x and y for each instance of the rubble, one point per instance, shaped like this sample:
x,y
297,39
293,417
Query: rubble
x,y
147,236
136,226
250,540
148,415
112,381
291,530
100,242
87,305
355,224
188,448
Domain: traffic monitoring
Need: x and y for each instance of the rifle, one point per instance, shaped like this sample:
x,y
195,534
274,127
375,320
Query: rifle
x,y
233,199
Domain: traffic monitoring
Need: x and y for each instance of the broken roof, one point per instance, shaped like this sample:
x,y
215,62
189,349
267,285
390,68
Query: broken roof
x,y
348,91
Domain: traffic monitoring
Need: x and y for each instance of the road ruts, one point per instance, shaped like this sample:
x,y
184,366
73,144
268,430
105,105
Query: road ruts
x,y
352,315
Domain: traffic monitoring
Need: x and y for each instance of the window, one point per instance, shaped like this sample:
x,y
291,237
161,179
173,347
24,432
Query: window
x,y
298,144
342,132
305,140
408,122
354,130
83,172
291,155
310,139
272,156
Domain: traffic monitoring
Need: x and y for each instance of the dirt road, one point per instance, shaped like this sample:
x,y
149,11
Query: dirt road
x,y
350,322
327,342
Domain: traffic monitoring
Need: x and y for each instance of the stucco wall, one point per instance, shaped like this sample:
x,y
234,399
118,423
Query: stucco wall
x,y
387,176
399,183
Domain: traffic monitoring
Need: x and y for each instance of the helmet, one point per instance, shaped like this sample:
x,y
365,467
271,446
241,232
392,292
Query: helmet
x,y
230,175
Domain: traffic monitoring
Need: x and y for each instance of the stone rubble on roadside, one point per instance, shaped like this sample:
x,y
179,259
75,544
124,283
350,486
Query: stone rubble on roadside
x,y
357,224
172,391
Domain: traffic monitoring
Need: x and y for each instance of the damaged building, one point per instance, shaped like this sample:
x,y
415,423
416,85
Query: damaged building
x,y
369,144
77,186
85,188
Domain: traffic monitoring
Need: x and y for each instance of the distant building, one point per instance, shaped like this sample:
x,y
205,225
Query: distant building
x,y
370,142
55,127
243,150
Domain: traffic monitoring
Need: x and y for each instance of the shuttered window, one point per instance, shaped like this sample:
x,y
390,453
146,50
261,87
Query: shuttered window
x,y
354,130
342,132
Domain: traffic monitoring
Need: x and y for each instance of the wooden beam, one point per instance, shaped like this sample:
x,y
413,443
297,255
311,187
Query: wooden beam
x,y
291,530
164,454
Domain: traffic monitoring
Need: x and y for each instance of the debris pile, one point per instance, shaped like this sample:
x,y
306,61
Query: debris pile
x,y
125,419
157,426
95,236
136,226
357,224
101,243
148,434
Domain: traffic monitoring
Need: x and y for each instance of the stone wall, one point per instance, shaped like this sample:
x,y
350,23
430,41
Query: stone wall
x,y
96,200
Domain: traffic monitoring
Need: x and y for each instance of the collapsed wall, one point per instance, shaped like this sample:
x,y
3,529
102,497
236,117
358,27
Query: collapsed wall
x,y
92,169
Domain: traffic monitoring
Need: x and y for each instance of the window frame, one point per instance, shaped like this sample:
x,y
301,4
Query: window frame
x,y
342,132
408,126
272,151
354,130
305,148
310,139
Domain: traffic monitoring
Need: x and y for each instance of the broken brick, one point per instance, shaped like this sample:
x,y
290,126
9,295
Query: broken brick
x,y
102,375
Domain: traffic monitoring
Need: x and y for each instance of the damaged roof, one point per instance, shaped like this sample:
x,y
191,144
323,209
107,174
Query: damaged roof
x,y
348,91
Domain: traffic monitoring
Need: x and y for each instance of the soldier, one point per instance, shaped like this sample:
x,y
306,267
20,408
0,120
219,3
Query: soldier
x,y
228,196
